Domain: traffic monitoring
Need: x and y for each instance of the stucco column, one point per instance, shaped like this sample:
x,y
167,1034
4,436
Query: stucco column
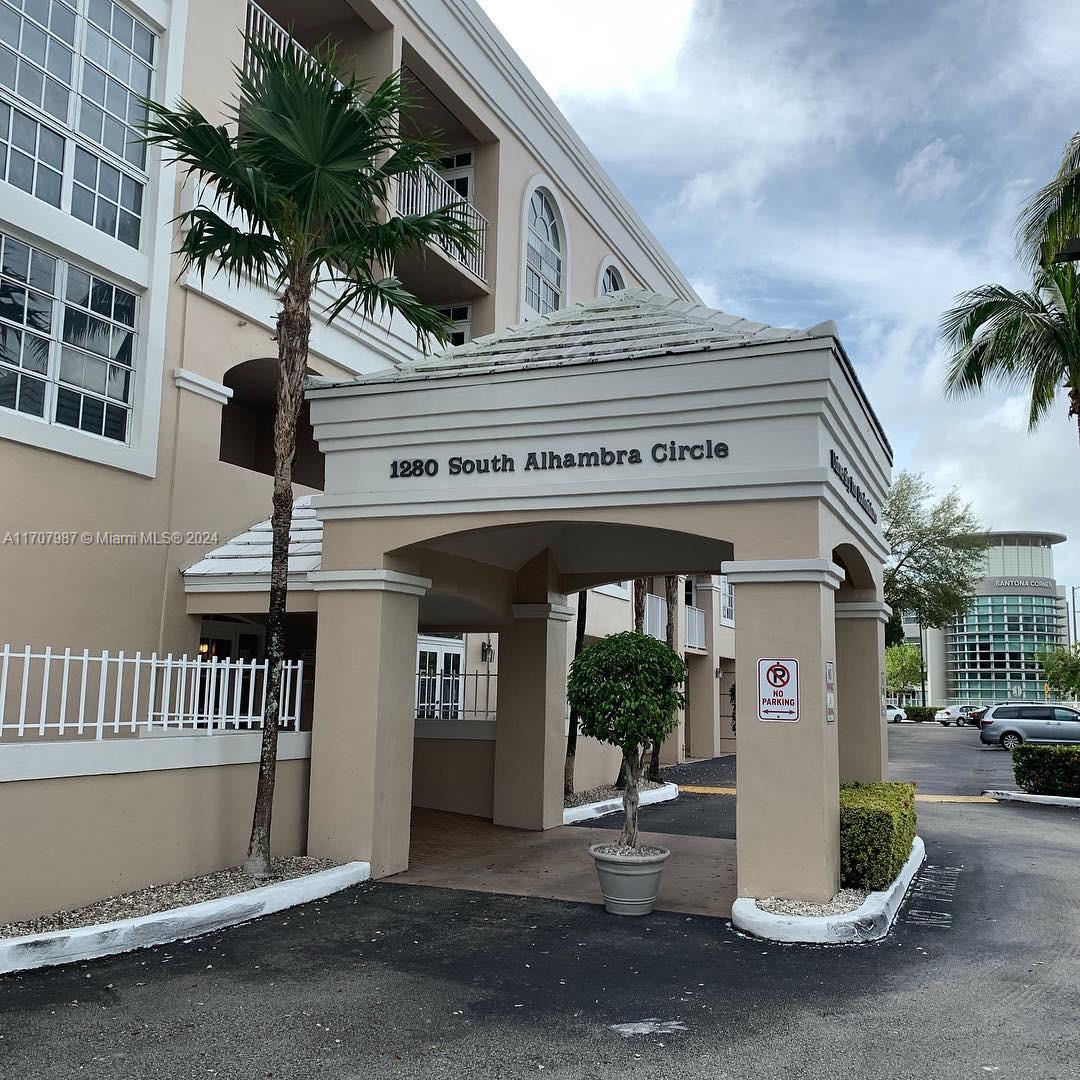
x,y
860,657
703,712
530,725
365,714
788,813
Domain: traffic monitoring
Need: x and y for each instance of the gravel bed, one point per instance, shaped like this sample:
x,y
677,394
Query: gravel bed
x,y
625,849
605,792
162,897
844,901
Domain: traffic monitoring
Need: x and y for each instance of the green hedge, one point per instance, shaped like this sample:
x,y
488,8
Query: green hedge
x,y
919,713
877,826
1048,770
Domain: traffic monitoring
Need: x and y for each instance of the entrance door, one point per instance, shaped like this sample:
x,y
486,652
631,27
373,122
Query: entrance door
x,y
440,686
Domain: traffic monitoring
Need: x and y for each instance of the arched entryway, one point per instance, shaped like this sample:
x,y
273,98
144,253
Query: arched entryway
x,y
625,437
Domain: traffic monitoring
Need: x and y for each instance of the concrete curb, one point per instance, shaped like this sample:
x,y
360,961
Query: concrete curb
x,y
610,806
1041,800
870,921
105,939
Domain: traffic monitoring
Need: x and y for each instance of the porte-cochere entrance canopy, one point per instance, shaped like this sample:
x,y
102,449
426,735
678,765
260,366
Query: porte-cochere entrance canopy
x,y
634,435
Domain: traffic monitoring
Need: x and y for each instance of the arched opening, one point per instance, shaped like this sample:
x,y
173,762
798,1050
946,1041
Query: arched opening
x,y
858,580
247,425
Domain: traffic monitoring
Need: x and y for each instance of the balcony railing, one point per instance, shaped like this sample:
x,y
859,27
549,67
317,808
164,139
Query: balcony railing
x,y
424,193
695,628
260,25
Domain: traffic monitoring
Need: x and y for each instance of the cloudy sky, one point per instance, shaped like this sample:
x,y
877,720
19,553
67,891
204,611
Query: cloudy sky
x,y
859,160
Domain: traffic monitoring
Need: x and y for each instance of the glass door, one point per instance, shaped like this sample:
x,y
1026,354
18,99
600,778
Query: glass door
x,y
440,684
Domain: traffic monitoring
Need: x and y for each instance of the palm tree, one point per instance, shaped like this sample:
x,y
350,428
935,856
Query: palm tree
x,y
1028,339
296,191
1049,226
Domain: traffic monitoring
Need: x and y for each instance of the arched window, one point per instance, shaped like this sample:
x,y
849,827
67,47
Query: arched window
x,y
543,256
612,281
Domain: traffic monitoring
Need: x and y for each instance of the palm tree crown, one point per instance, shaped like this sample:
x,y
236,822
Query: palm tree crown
x,y
299,185
1028,339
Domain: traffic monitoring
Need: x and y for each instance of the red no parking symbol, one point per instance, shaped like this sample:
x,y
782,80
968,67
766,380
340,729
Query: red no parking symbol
x,y
778,676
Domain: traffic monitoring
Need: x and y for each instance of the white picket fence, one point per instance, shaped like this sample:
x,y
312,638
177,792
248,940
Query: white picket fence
x,y
67,693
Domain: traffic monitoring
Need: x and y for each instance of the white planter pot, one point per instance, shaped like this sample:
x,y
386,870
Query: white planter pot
x,y
629,883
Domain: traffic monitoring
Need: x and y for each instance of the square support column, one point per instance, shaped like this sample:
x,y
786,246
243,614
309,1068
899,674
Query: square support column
x,y
788,808
703,711
860,702
360,801
530,725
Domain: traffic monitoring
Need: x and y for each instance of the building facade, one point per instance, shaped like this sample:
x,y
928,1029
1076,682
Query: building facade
x,y
989,654
136,406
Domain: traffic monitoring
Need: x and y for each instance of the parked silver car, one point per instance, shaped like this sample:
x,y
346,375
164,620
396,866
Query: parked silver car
x,y
1026,721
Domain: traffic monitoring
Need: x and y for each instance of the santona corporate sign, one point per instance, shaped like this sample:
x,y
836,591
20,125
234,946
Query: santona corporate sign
x,y
661,453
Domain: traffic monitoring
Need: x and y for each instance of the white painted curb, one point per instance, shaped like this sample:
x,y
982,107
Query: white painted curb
x,y
1043,800
870,921
587,811
105,939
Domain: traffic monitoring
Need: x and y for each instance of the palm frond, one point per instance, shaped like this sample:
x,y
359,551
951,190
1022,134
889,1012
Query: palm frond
x,y
210,240
389,296
1051,217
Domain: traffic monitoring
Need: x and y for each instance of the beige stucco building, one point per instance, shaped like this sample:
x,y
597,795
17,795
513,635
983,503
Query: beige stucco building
x,y
428,615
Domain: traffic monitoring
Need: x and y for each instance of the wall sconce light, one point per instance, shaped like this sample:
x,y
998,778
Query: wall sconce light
x,y
719,672
487,652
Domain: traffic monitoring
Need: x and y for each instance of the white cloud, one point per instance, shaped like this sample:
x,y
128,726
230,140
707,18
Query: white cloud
x,y
595,47
929,173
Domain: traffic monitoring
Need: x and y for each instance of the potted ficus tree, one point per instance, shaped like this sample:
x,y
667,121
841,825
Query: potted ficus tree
x,y
626,689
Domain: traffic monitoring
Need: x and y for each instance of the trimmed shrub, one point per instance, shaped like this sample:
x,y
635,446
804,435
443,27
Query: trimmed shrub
x,y
1048,770
919,713
877,827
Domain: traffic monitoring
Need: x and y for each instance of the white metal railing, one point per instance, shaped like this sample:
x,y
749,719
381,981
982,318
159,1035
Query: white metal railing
x,y
695,628
72,694
426,191
457,695
656,616
261,25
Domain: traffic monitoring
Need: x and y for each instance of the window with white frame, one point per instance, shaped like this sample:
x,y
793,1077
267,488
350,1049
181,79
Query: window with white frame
x,y
543,256
67,343
459,171
72,78
727,601
460,318
612,281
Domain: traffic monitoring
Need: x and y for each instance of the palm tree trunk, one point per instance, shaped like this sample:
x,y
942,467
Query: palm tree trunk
x,y
571,738
671,593
1074,404
641,586
293,332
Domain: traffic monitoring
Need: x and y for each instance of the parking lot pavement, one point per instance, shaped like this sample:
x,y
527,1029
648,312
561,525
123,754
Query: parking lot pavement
x,y
977,979
947,760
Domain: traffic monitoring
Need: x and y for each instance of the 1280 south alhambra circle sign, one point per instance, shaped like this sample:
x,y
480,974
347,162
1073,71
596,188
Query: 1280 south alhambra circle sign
x,y
778,689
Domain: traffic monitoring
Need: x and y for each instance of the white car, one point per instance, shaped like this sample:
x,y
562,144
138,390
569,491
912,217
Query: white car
x,y
894,714
953,714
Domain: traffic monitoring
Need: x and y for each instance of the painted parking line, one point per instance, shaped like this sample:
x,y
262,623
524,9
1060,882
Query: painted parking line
x,y
704,789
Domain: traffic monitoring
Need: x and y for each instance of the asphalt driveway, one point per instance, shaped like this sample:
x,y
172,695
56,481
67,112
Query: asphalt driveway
x,y
978,978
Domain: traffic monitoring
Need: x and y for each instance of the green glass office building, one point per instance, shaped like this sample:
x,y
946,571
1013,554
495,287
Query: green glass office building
x,y
989,653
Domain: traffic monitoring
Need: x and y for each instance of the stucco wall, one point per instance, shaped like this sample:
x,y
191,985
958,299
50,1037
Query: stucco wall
x,y
67,842
455,775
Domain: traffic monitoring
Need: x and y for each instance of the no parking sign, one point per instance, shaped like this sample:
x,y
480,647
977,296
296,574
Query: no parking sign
x,y
778,689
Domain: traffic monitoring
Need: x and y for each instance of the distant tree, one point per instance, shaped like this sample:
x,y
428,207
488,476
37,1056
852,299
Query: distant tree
x,y
936,552
1027,340
1061,669
671,593
641,587
903,668
1049,226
